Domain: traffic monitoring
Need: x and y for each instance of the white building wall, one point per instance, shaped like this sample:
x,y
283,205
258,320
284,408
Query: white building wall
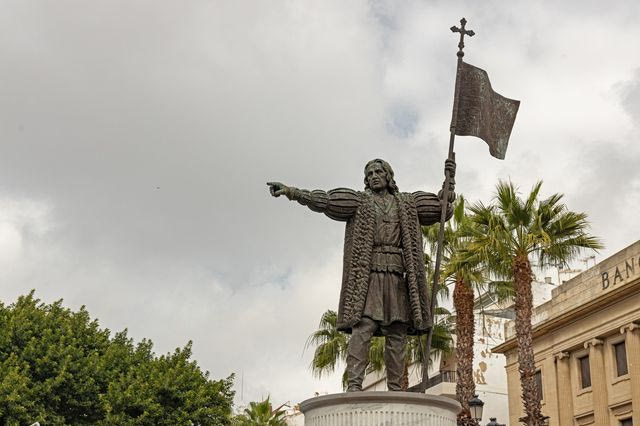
x,y
489,373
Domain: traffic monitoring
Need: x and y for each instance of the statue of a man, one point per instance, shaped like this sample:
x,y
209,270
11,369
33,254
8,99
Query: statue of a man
x,y
384,290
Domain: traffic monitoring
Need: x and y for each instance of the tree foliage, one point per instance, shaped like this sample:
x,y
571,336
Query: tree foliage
x,y
508,234
59,367
261,414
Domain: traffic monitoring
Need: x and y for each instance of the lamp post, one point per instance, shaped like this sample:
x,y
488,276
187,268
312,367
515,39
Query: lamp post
x,y
475,407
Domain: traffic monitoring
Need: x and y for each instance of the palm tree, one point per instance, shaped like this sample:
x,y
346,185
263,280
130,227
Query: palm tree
x,y
261,414
465,275
508,233
331,347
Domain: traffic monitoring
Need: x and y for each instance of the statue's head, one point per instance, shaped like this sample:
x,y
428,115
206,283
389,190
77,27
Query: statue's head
x,y
378,175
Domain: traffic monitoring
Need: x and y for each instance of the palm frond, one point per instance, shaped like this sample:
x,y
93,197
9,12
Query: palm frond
x,y
376,353
330,345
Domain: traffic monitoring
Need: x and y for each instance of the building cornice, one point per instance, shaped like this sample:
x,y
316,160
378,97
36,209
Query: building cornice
x,y
571,315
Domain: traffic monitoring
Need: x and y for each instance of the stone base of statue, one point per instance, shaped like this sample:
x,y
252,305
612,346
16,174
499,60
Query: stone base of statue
x,y
379,409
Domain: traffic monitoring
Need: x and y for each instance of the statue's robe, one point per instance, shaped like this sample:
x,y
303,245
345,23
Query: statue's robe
x,y
383,274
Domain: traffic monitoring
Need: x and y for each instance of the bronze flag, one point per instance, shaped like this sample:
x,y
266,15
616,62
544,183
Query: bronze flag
x,y
484,113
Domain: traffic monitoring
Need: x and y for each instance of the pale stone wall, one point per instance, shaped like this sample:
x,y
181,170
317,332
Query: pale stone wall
x,y
488,368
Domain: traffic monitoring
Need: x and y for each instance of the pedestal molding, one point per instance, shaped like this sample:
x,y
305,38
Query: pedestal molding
x,y
380,396
380,408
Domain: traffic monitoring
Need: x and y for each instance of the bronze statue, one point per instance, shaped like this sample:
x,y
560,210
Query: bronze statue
x,y
384,290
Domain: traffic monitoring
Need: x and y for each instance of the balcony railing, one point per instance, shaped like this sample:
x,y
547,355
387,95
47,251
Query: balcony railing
x,y
447,376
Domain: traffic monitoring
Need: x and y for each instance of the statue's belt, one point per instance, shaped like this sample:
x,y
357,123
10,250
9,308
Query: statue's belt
x,y
387,259
387,249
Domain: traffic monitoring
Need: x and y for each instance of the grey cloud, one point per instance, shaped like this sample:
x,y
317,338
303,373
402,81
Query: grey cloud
x,y
629,92
153,146
402,120
138,137
609,184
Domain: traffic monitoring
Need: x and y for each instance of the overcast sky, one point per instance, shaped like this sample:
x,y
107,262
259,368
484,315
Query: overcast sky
x,y
136,138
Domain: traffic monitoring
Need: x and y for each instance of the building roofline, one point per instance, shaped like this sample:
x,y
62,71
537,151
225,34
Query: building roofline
x,y
576,312
569,316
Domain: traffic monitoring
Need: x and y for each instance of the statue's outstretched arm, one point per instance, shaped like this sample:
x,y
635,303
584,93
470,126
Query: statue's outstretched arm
x,y
338,204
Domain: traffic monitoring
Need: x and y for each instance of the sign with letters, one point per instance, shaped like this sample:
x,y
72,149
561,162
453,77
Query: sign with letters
x,y
622,273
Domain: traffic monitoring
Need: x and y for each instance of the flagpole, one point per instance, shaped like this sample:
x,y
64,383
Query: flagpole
x,y
444,202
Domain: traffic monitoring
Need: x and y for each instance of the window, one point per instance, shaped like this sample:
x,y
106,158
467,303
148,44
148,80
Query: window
x,y
626,422
539,385
585,372
620,352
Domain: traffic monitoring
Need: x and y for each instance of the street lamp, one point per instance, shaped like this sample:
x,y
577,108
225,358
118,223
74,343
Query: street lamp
x,y
475,406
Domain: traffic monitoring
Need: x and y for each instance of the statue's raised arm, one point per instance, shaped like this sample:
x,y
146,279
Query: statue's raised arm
x,y
429,205
384,289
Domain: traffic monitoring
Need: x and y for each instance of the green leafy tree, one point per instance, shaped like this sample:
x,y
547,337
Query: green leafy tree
x,y
508,234
261,414
59,367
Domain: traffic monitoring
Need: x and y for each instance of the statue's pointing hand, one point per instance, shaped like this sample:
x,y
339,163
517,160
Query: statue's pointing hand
x,y
277,189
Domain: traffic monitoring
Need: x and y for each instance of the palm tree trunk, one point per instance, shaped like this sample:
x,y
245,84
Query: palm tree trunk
x,y
526,366
465,329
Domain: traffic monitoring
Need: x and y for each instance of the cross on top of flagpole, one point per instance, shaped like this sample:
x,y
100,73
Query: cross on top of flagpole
x,y
462,32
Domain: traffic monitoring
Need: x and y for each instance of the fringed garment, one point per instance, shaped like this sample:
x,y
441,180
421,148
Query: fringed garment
x,y
383,272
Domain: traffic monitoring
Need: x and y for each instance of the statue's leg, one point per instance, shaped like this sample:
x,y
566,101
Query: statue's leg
x,y
358,352
395,339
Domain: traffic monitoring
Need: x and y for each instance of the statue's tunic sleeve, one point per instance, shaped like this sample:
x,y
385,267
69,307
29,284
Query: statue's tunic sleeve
x,y
338,204
428,207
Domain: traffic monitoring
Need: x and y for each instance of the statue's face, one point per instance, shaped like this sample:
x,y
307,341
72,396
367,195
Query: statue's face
x,y
376,177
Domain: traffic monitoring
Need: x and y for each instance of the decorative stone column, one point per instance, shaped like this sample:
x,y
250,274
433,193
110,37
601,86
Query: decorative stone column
x,y
598,382
549,390
565,390
380,409
632,343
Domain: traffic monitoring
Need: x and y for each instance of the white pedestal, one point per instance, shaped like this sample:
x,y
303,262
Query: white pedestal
x,y
380,409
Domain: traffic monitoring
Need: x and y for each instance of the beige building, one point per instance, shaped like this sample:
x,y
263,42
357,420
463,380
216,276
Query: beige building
x,y
586,342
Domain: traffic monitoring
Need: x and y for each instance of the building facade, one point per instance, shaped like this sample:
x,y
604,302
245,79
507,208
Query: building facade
x,y
586,343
